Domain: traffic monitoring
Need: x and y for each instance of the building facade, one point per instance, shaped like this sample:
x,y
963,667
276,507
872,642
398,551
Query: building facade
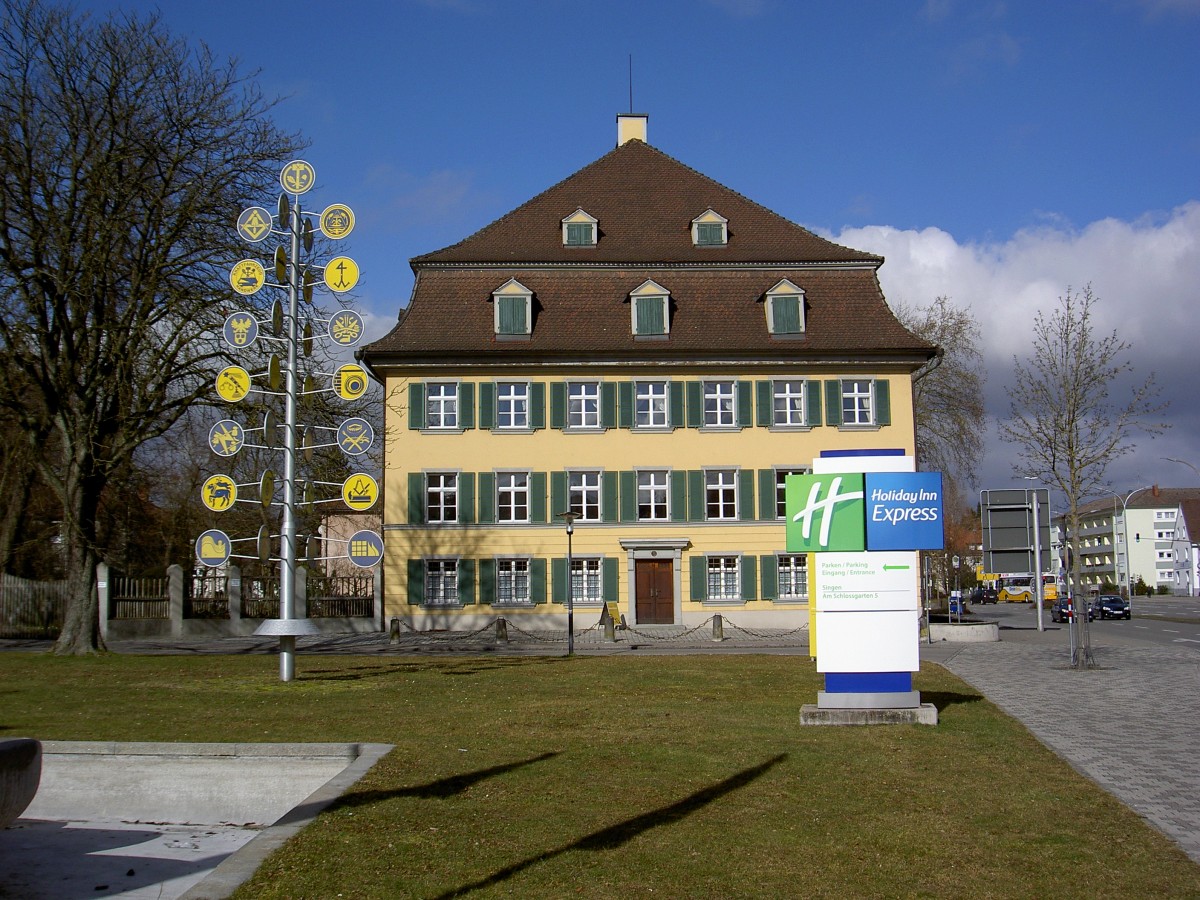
x,y
650,352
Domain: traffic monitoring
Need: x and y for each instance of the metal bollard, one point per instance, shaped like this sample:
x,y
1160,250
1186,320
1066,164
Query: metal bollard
x,y
502,629
394,631
718,628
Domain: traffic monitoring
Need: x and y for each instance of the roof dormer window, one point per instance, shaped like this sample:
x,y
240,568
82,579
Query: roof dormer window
x,y
650,309
579,230
785,310
513,311
710,229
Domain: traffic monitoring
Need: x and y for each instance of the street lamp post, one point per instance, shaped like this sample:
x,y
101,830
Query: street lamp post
x,y
1191,563
569,517
1124,542
1037,555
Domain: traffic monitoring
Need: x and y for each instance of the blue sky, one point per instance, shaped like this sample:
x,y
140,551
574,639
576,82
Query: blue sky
x,y
996,152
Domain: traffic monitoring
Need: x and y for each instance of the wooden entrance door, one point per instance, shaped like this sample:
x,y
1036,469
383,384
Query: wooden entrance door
x,y
655,590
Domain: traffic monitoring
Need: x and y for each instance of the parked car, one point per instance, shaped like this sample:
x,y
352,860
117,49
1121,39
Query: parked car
x,y
1058,612
1110,606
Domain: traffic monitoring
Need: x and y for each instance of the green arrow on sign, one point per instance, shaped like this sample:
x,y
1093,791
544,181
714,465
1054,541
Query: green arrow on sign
x,y
886,568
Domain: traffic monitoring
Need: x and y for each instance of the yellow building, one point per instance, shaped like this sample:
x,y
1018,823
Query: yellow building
x,y
648,350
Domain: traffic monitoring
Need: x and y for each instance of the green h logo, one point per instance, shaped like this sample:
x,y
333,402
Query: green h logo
x,y
825,513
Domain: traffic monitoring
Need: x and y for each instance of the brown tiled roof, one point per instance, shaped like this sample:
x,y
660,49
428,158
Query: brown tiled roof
x,y
1191,517
644,202
586,314
1156,498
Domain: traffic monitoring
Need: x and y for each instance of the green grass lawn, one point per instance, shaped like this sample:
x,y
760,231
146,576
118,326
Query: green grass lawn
x,y
625,776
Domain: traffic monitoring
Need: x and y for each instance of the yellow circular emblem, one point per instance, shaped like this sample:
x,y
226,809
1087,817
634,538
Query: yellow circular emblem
x,y
337,221
247,277
233,383
341,274
350,382
360,491
297,177
219,493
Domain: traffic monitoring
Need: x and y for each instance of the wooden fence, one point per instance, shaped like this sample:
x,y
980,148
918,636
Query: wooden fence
x,y
31,609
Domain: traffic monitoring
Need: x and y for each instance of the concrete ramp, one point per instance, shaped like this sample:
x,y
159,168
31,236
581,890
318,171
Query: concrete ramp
x,y
164,820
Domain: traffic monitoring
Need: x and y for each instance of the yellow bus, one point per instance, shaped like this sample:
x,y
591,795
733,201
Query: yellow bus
x,y
1018,588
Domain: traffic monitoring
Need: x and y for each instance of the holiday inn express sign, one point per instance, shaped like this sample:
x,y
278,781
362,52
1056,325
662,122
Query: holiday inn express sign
x,y
856,512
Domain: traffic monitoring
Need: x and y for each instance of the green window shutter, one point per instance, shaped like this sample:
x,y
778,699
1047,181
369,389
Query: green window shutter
x,y
608,404
537,498
769,566
466,581
558,579
629,500
766,404
466,498
514,315
625,404
558,492
416,582
745,403
695,496
487,498
785,311
610,575
487,405
678,405
609,510
558,404
679,498
537,405
833,402
698,563
746,495
416,498
749,575
650,318
487,581
766,494
883,402
695,404
416,406
812,402
537,580
466,404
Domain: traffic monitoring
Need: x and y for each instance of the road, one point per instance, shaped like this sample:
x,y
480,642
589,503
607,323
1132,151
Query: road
x,y
1156,620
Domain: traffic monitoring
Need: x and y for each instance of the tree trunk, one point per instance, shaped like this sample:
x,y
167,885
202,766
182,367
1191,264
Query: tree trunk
x,y
81,620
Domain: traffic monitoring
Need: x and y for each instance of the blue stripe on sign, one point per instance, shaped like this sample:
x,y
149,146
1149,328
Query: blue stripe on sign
x,y
830,454
867,682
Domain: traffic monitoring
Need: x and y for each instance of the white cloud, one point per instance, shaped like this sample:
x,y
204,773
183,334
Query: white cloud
x,y
1146,274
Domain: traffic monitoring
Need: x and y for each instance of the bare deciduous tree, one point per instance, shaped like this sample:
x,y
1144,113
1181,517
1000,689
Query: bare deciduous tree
x,y
126,155
948,391
1066,426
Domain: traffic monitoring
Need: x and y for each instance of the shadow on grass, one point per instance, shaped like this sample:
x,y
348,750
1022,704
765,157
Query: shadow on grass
x,y
440,789
944,699
614,836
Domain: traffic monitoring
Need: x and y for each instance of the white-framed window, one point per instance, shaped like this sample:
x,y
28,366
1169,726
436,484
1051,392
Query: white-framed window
x,y
441,404
793,576
720,404
653,492
724,582
583,404
785,309
710,229
583,489
512,311
441,582
858,402
512,581
586,582
579,230
512,497
441,498
652,404
1166,554
1164,535
720,494
512,404
781,489
788,403
650,310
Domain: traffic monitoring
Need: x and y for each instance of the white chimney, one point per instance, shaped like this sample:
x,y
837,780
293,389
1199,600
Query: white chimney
x,y
631,127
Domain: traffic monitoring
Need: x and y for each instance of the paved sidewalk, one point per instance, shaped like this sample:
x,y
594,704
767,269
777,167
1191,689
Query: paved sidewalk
x,y
1132,725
